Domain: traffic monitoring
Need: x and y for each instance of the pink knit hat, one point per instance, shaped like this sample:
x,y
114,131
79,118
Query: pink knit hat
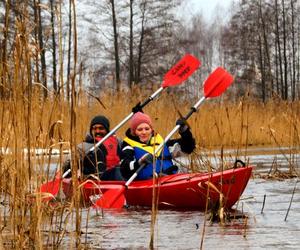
x,y
137,119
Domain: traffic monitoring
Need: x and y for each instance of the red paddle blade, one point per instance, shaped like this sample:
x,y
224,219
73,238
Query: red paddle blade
x,y
112,198
217,82
51,187
181,71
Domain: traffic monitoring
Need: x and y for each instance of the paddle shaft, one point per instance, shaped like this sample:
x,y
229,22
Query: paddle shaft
x,y
176,75
149,99
66,173
214,86
193,110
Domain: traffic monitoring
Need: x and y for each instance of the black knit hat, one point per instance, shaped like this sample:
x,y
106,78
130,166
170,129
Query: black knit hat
x,y
100,119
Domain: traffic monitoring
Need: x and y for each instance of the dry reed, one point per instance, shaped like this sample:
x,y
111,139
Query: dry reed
x,y
28,121
216,125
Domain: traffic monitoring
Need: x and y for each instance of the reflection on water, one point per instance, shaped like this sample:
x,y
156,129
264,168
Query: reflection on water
x,y
131,228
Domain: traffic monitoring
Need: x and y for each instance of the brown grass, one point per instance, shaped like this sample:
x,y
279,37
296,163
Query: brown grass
x,y
216,124
46,124
28,121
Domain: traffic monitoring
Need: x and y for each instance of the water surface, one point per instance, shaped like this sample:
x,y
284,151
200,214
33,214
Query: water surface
x,y
265,203
268,226
265,228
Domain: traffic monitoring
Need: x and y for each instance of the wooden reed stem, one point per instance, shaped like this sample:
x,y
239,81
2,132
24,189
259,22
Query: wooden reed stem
x,y
263,206
287,212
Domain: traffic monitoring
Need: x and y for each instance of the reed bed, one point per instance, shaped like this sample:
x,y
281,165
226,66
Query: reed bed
x,y
217,123
30,123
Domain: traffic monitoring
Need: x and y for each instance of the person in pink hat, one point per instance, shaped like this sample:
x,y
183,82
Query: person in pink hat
x,y
139,145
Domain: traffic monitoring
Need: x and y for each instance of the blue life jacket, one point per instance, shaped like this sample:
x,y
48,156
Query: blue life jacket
x,y
163,159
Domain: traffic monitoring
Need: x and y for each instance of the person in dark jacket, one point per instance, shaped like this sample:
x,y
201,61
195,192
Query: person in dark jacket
x,y
139,145
103,161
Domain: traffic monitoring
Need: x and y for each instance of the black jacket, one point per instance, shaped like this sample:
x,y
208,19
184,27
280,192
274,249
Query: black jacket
x,y
93,162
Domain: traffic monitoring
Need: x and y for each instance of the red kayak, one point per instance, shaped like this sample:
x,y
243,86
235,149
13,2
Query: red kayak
x,y
178,191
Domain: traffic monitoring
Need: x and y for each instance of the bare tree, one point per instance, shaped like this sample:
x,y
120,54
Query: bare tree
x,y
54,77
261,35
285,61
68,87
42,49
3,50
116,44
136,38
131,61
293,41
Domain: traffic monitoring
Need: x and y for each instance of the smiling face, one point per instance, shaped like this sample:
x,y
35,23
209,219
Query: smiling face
x,y
99,131
144,132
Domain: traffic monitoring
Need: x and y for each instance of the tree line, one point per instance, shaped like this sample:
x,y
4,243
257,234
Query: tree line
x,y
109,44
261,46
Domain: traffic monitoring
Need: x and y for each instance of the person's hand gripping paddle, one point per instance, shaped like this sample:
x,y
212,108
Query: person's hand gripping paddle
x,y
181,71
216,83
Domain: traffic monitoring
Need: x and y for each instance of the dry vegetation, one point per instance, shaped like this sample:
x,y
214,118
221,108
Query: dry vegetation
x,y
27,124
29,121
45,124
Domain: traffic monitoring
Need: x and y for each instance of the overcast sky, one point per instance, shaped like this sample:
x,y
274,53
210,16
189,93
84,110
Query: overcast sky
x,y
207,7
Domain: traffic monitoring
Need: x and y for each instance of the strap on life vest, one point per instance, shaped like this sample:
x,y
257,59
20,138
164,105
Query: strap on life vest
x,y
155,141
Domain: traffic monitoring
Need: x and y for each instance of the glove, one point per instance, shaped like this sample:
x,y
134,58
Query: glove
x,y
137,108
183,125
146,159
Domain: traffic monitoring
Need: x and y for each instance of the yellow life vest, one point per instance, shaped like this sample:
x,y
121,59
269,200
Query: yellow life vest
x,y
150,147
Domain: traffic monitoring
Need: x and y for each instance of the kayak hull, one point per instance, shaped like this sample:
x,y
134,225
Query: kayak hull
x,y
178,191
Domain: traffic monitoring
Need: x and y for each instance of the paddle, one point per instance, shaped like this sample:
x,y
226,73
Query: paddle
x,y
175,76
214,86
52,187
